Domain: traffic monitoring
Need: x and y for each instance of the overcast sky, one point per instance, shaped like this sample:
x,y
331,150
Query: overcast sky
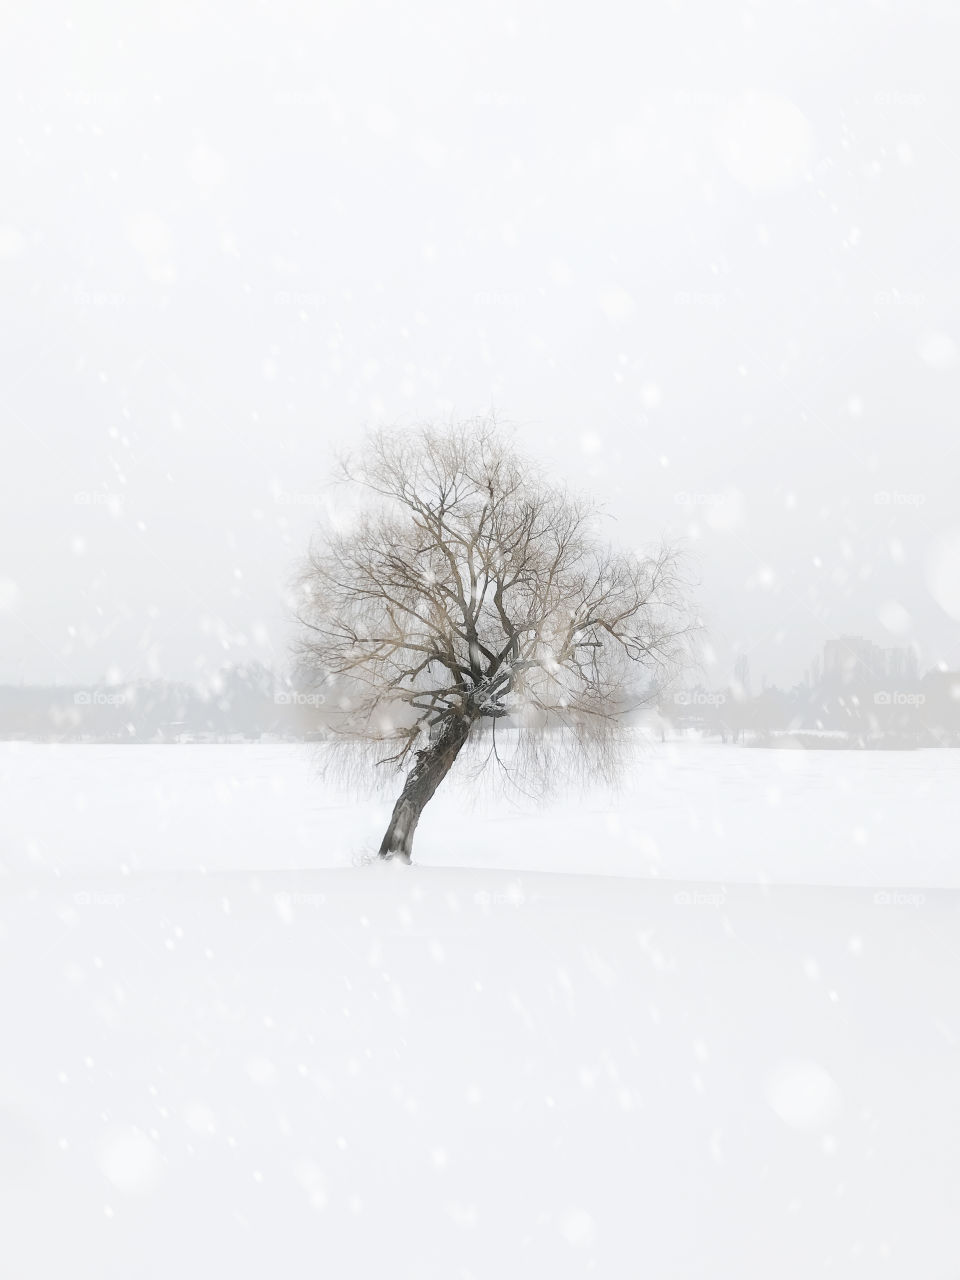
x,y
703,256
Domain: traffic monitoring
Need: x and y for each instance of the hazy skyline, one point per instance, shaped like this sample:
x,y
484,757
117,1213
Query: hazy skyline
x,y
701,257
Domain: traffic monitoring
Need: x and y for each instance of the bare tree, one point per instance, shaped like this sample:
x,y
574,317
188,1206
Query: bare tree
x,y
471,590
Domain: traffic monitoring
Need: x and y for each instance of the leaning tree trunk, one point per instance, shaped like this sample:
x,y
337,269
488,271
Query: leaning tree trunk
x,y
433,765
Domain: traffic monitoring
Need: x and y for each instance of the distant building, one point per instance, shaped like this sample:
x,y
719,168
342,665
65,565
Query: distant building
x,y
853,659
901,663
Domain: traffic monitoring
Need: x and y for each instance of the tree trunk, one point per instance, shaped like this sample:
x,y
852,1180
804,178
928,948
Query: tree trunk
x,y
433,765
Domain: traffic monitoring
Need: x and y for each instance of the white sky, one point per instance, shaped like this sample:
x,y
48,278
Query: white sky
x,y
702,255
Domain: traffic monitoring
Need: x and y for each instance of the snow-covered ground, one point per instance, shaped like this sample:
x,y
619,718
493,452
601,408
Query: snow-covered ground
x,y
230,1052
687,811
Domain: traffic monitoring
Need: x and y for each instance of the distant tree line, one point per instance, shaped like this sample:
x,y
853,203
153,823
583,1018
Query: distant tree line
x,y
246,703
839,709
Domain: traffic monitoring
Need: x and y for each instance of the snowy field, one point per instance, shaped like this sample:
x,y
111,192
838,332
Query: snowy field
x,y
687,812
723,1044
